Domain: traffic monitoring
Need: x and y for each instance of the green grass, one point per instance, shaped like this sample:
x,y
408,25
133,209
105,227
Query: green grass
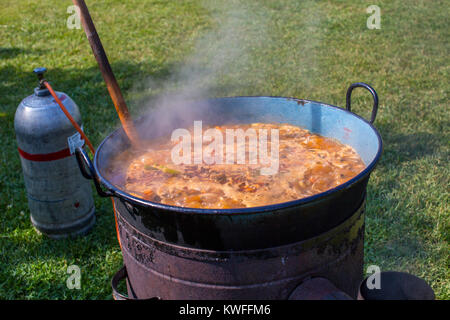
x,y
306,49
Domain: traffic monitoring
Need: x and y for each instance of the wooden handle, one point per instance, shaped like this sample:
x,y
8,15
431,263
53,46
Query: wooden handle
x,y
107,73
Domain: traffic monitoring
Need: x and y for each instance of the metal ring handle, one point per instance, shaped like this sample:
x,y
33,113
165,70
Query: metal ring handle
x,y
119,276
84,162
371,90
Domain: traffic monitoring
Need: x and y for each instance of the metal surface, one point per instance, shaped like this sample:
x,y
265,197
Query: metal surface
x,y
59,198
372,92
158,269
236,228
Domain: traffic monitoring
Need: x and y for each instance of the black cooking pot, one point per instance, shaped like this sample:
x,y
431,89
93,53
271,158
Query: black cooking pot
x,y
255,227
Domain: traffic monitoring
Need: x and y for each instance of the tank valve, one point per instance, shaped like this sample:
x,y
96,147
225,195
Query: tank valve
x,y
40,73
41,90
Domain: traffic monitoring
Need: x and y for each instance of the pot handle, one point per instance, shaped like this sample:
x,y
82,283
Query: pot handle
x,y
88,171
371,90
119,276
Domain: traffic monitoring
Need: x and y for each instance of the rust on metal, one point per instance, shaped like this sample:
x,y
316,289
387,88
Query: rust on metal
x,y
169,271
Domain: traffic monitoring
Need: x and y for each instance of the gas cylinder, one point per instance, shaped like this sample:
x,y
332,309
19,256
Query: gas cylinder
x,y
59,197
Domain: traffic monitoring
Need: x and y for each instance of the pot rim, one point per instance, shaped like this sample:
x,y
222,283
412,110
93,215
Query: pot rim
x,y
247,210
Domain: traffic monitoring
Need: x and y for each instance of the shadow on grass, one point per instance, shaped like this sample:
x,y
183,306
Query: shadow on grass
x,y
22,250
84,85
392,212
408,147
75,81
12,52
87,88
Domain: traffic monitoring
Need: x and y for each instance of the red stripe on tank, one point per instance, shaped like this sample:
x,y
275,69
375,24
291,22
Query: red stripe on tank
x,y
45,156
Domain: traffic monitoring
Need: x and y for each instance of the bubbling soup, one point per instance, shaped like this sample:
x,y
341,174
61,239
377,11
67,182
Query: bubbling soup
x,y
308,164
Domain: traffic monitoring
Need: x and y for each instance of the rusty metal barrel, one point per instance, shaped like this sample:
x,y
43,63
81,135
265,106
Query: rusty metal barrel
x,y
262,252
59,198
159,269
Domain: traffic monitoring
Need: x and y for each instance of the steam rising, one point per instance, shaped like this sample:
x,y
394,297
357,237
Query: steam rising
x,y
236,55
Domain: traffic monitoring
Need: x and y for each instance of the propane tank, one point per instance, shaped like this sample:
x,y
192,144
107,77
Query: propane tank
x,y
59,198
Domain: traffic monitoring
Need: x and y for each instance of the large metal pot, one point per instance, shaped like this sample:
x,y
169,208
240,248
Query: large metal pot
x,y
233,251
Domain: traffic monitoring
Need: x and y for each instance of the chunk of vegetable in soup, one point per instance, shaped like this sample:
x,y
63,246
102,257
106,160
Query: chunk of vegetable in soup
x,y
308,164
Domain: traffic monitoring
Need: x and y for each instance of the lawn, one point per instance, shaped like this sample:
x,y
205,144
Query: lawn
x,y
306,49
